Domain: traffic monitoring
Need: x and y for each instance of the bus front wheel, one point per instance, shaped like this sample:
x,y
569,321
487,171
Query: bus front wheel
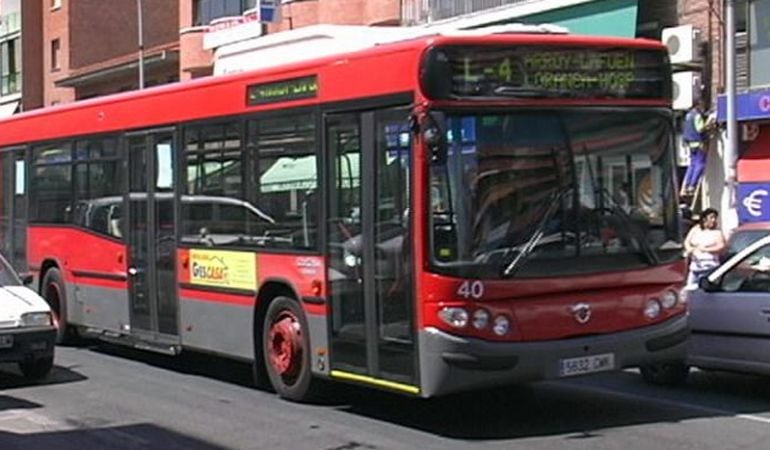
x,y
286,349
665,373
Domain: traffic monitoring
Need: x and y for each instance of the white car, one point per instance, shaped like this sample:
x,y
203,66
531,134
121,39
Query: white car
x,y
27,332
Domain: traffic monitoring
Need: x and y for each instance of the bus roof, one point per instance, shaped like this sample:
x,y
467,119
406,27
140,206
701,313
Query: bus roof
x,y
395,64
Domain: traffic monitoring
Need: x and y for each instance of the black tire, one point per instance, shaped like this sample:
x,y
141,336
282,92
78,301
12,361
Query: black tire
x,y
54,292
259,374
286,350
666,374
36,369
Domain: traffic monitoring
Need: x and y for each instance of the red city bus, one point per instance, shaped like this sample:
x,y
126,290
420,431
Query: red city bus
x,y
427,216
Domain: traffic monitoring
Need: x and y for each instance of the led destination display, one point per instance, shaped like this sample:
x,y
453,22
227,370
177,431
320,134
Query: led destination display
x,y
281,91
543,72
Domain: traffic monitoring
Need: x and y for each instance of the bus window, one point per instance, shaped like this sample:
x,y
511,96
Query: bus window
x,y
286,174
51,183
98,184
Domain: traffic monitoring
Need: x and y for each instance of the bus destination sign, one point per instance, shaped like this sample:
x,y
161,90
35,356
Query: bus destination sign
x,y
281,91
463,72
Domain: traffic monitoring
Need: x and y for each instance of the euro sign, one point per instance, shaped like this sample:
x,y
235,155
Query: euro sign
x,y
753,202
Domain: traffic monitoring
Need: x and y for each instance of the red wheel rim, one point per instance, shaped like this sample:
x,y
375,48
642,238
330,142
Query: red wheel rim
x,y
285,345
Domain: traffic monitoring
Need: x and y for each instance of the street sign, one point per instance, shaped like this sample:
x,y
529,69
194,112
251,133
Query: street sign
x,y
268,11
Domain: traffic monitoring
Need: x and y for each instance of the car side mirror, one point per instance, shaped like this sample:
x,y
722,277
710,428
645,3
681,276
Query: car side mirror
x,y
27,278
707,285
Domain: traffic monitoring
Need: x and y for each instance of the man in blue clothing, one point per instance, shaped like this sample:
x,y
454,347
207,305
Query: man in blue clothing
x,y
695,135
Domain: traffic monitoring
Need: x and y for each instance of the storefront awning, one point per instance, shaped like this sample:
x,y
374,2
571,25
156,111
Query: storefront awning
x,y
8,109
601,17
754,163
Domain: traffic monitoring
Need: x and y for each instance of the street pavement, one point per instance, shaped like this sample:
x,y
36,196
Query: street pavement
x,y
102,396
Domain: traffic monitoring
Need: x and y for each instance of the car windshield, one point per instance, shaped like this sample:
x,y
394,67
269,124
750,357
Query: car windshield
x,y
742,239
8,276
554,192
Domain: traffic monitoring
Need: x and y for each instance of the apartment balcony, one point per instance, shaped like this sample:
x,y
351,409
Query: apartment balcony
x,y
417,12
194,59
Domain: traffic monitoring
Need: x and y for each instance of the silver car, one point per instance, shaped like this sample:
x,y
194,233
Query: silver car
x,y
729,318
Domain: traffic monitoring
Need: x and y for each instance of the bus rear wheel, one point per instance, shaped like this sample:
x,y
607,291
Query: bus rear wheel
x,y
55,294
286,350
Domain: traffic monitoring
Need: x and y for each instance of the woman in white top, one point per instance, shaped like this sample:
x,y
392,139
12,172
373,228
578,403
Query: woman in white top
x,y
703,245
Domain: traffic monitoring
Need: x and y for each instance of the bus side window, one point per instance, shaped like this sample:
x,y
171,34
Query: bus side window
x,y
286,176
232,219
115,225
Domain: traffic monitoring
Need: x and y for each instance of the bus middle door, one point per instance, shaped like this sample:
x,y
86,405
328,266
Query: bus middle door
x,y
151,236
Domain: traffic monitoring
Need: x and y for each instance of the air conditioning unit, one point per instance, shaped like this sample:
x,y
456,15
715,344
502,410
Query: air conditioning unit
x,y
686,89
683,43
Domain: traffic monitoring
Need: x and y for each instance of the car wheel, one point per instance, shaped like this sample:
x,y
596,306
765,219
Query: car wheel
x,y
55,293
286,350
36,368
669,373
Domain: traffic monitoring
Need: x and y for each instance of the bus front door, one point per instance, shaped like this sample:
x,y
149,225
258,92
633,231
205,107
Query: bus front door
x,y
371,314
151,235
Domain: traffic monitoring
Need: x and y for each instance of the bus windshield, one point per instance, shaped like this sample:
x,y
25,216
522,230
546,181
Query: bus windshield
x,y
542,193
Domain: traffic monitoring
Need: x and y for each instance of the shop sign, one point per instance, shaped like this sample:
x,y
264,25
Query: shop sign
x,y
753,202
752,105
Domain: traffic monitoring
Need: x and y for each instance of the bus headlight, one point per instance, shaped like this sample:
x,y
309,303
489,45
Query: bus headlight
x,y
669,299
36,319
652,309
480,319
455,317
501,325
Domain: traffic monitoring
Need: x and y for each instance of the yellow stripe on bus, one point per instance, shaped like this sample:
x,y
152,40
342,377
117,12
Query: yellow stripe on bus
x,y
375,381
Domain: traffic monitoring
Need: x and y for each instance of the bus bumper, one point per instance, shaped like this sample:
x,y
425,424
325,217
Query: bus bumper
x,y
451,364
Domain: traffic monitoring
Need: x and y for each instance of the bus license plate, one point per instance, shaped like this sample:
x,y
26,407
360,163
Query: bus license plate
x,y
586,364
6,341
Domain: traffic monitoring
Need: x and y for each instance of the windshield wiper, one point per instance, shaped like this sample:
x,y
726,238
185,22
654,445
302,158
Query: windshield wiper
x,y
530,245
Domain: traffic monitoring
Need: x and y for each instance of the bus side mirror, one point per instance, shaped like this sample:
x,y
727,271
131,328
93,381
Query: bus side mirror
x,y
434,136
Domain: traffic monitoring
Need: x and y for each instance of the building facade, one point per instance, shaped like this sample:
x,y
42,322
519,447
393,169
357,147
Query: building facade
x,y
751,200
10,56
77,49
